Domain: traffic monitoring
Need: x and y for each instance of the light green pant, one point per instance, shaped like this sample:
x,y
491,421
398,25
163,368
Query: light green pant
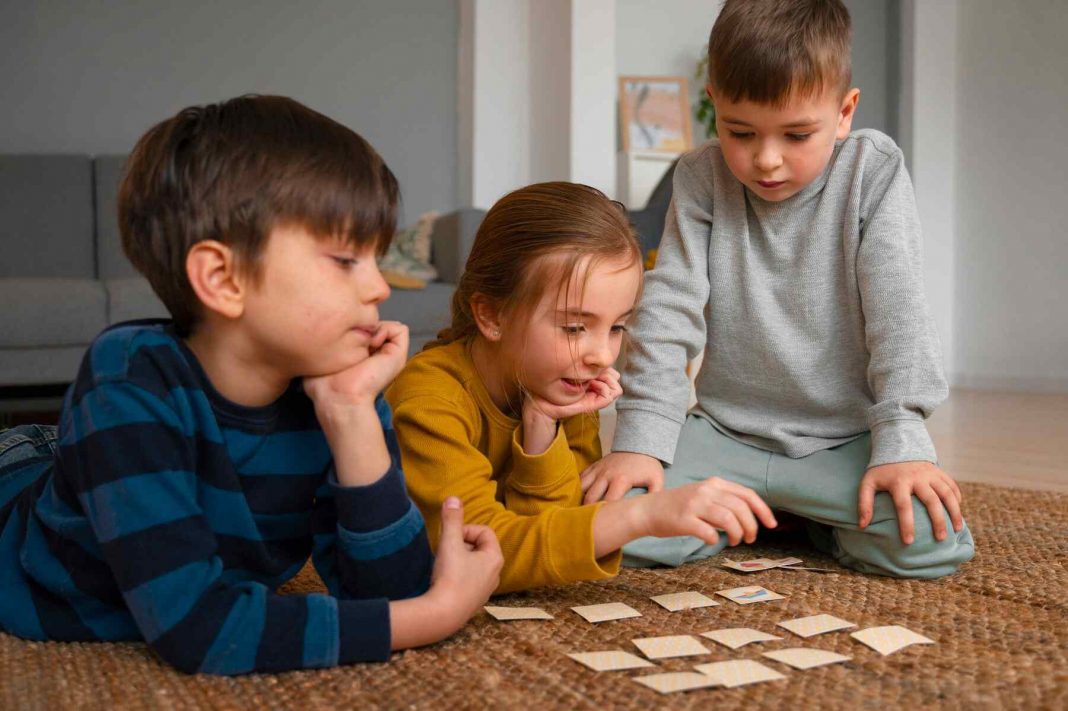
x,y
822,488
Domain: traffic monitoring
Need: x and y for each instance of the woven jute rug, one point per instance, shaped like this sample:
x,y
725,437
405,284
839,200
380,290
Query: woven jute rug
x,y
1001,625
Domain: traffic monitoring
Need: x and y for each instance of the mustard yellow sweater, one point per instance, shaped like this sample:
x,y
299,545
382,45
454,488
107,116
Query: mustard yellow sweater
x,y
455,442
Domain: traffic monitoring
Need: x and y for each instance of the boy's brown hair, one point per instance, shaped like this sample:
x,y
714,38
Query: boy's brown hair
x,y
768,51
232,172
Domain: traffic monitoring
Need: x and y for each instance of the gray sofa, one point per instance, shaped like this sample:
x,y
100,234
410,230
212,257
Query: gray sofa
x,y
64,278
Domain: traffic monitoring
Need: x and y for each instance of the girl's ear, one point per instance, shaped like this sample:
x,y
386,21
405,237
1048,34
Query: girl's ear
x,y
487,317
212,271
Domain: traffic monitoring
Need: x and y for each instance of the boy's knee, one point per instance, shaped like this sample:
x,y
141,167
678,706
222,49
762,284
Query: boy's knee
x,y
879,549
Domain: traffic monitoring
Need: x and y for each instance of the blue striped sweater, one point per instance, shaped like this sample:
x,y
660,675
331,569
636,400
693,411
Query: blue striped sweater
x,y
171,514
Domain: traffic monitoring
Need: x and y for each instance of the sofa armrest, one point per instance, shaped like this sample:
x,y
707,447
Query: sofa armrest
x,y
451,240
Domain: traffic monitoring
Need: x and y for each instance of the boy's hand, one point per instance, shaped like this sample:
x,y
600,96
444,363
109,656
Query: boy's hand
x,y
468,564
388,350
932,486
619,472
601,392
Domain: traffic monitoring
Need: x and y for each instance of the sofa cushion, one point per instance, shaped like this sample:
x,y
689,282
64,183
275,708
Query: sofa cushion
x,y
110,260
422,310
46,216
51,312
40,366
132,298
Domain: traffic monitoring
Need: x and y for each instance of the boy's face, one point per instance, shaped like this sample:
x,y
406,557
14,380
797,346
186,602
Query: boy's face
x,y
777,151
573,337
314,308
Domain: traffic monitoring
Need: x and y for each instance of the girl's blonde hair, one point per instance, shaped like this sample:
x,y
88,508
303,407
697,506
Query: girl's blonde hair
x,y
533,239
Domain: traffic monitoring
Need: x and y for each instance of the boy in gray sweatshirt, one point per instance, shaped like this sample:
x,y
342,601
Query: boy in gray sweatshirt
x,y
791,256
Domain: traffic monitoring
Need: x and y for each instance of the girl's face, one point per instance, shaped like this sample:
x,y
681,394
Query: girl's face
x,y
574,335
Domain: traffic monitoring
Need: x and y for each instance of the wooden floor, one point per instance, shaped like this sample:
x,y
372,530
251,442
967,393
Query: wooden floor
x,y
1008,439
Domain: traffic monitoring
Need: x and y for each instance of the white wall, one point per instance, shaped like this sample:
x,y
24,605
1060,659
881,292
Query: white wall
x,y
1012,209
929,127
593,94
93,76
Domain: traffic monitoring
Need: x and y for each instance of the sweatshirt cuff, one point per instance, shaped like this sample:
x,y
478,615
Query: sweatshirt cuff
x,y
364,631
537,473
646,432
896,441
371,507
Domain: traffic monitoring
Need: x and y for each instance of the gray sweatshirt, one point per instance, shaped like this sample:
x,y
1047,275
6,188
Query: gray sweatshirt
x,y
811,313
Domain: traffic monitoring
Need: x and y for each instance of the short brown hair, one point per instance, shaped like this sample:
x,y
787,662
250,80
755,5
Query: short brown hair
x,y
533,239
766,51
232,172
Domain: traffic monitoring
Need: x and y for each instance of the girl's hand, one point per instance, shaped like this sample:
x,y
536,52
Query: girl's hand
x,y
360,384
700,508
601,392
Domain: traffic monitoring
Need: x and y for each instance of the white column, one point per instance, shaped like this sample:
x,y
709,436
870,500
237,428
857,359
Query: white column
x,y
593,94
929,136
550,88
536,95
494,99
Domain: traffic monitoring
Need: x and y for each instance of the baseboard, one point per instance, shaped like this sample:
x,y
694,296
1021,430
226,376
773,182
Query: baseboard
x,y
1008,383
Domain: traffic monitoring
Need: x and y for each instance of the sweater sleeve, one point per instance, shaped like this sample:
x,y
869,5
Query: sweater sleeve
x,y
905,366
545,535
669,329
370,541
143,476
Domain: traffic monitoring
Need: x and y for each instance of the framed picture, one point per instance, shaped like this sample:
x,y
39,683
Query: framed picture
x,y
654,114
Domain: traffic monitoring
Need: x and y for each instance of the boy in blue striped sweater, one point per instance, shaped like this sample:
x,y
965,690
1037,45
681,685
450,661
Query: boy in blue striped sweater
x,y
201,460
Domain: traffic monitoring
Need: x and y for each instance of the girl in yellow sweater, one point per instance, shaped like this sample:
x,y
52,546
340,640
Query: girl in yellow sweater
x,y
501,410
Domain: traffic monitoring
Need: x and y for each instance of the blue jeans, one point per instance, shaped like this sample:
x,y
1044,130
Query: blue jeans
x,y
25,452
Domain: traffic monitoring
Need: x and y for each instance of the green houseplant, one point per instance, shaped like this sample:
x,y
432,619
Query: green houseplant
x,y
704,109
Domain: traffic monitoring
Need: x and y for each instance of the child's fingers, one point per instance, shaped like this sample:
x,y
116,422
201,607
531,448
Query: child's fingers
x,y
902,496
952,505
701,529
617,488
865,502
753,501
588,476
452,521
391,331
758,506
596,491
652,484
723,518
585,479
481,537
740,508
953,486
929,498
600,389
